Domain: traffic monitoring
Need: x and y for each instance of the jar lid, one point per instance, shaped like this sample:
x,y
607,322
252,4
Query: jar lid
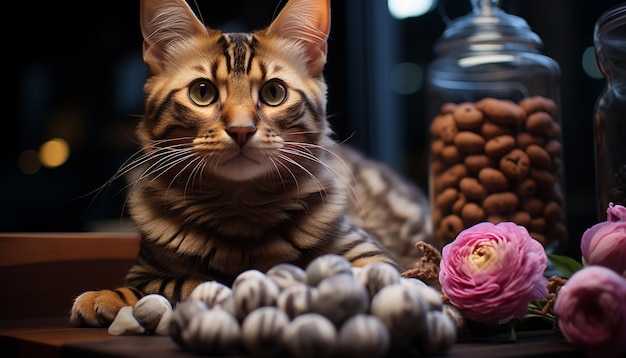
x,y
487,24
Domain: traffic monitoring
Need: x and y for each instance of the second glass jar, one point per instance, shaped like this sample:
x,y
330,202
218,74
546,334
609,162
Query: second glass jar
x,y
495,134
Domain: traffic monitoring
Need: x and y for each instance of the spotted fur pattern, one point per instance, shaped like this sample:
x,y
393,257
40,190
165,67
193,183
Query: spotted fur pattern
x,y
237,168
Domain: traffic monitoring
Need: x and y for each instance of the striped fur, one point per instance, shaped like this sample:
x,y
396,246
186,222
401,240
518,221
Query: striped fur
x,y
232,176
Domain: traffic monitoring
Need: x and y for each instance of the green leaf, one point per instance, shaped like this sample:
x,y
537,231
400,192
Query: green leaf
x,y
565,265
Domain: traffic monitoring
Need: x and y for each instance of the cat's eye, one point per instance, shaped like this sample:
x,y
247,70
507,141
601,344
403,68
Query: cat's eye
x,y
202,92
273,92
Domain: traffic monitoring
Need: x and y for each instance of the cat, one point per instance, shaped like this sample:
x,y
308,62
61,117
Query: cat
x,y
239,168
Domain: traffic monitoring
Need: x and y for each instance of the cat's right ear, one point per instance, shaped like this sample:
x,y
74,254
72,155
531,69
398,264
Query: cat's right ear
x,y
164,23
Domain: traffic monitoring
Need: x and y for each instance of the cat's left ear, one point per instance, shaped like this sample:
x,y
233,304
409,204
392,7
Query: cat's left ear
x,y
164,23
307,21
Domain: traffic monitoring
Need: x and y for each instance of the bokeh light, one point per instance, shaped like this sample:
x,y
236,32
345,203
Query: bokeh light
x,y
402,9
590,66
28,162
54,152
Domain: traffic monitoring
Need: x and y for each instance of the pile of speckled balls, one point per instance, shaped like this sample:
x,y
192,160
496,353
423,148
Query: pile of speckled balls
x,y
328,309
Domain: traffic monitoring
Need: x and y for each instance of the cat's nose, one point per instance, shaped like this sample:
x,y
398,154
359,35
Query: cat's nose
x,y
241,134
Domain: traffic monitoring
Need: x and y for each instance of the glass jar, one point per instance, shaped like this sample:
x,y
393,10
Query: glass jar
x,y
495,135
610,109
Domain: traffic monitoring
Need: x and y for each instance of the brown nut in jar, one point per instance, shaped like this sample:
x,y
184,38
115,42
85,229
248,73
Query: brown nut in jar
x,y
515,164
539,157
467,116
472,189
450,154
493,179
525,139
476,162
538,103
469,142
447,108
472,213
525,188
449,228
450,177
499,146
501,111
444,127
501,203
539,123
446,198
491,130
521,218
459,204
552,212
534,206
543,178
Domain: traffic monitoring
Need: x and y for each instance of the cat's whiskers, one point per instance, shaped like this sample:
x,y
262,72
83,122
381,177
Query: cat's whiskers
x,y
147,153
194,159
165,164
196,173
350,187
135,161
322,189
168,157
293,176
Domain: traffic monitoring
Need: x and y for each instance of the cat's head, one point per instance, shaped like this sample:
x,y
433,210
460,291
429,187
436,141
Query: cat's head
x,y
238,106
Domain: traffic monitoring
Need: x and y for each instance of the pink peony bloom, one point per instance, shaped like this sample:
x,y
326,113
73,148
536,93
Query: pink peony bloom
x,y
604,243
591,311
491,272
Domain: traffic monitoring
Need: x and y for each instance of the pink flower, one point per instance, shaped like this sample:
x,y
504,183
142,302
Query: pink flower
x,y
591,311
604,243
491,272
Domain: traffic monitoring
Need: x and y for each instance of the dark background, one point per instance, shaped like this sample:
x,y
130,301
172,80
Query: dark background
x,y
75,72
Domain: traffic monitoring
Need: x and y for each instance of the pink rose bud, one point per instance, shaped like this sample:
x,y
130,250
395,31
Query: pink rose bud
x,y
491,272
591,311
604,243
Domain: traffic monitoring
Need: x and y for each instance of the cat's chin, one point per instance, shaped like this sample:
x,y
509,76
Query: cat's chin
x,y
241,168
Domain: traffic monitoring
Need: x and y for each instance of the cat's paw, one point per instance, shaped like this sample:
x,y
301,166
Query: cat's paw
x,y
99,308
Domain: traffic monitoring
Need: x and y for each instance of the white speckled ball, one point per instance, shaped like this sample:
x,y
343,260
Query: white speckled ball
x,y
125,323
440,334
377,275
326,266
227,305
402,310
252,273
431,296
297,300
411,281
339,297
212,331
163,328
310,336
183,312
363,336
262,331
211,292
286,275
252,293
149,310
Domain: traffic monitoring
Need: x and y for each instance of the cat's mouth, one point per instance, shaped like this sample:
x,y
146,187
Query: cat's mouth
x,y
241,159
241,167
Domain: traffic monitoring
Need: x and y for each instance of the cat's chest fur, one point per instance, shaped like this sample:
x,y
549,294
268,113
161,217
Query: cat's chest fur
x,y
241,211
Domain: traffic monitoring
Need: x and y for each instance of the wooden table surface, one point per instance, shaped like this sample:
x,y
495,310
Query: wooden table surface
x,y
55,338
40,274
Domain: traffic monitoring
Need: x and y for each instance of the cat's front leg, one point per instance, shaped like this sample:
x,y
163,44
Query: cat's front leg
x,y
99,308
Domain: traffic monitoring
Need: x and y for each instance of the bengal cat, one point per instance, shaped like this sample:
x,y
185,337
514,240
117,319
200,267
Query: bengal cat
x,y
238,166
